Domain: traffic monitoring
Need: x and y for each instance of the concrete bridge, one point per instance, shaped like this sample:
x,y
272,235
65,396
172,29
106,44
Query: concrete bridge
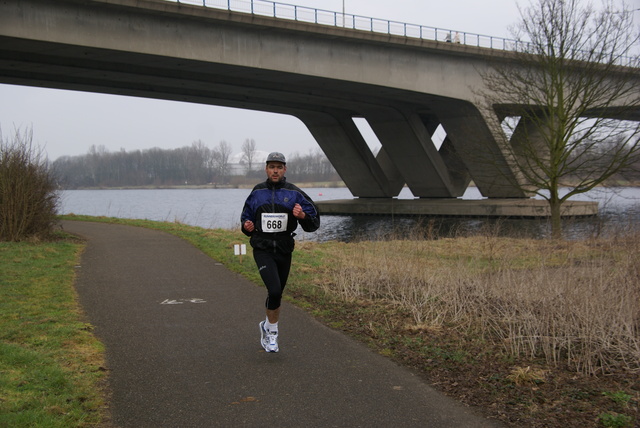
x,y
324,75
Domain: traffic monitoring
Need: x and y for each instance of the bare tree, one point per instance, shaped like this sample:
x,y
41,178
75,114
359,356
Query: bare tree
x,y
221,159
198,162
569,98
314,166
249,152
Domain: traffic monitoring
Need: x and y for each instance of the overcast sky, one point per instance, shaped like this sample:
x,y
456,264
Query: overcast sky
x,y
68,123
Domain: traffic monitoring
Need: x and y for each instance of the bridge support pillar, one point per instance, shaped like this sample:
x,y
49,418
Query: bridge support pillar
x,y
339,138
478,142
408,144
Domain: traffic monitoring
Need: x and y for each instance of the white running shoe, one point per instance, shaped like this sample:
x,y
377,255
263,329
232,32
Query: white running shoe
x,y
263,336
272,339
268,340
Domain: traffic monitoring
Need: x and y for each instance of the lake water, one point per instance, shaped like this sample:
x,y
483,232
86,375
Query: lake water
x,y
220,208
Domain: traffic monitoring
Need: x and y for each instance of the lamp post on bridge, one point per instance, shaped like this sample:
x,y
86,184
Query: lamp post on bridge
x,y
343,14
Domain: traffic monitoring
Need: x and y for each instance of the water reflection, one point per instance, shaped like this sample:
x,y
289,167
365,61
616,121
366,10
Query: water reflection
x,y
220,208
365,227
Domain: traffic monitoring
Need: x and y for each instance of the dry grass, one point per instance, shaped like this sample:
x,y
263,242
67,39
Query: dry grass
x,y
577,304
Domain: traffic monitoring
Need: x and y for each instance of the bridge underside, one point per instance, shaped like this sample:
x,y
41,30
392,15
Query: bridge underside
x,y
403,122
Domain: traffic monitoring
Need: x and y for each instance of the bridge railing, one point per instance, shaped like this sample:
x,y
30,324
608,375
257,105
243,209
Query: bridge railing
x,y
355,22
374,25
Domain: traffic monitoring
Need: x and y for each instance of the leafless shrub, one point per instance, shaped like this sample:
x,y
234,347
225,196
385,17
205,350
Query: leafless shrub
x,y
28,198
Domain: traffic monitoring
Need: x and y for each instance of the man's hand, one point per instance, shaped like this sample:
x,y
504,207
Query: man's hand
x,y
249,226
298,213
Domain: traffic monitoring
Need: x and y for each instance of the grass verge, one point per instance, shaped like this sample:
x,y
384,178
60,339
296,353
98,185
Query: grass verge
x,y
51,366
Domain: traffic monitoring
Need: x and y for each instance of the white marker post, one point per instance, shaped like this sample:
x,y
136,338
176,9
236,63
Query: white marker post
x,y
239,250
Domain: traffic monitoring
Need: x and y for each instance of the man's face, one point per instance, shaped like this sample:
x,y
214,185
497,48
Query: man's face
x,y
275,171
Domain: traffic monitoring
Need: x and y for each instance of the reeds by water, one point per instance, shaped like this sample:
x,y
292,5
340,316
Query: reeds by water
x,y
574,303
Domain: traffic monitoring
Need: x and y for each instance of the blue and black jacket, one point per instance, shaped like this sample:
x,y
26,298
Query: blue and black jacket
x,y
281,197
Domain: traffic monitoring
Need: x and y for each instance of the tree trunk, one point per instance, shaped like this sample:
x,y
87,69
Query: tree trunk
x,y
556,219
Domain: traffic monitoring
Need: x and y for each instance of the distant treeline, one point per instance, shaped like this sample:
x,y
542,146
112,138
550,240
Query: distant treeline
x,y
190,165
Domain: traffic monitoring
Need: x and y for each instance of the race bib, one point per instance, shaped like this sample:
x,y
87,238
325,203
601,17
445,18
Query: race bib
x,y
272,223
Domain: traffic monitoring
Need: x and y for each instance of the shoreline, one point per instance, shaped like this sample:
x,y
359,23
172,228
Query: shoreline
x,y
323,185
302,185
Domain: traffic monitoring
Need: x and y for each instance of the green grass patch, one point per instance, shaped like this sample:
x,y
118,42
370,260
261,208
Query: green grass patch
x,y
50,363
615,420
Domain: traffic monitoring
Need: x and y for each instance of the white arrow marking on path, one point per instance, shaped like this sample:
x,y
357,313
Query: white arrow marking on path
x,y
171,302
181,301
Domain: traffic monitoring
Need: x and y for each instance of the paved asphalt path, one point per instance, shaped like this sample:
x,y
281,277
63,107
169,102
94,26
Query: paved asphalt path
x,y
182,347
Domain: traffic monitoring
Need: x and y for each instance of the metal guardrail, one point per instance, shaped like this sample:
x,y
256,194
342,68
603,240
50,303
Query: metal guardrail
x,y
373,25
356,22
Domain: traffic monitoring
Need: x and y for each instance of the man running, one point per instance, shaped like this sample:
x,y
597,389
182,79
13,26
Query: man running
x,y
271,214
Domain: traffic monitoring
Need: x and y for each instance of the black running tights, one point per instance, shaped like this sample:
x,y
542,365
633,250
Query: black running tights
x,y
274,269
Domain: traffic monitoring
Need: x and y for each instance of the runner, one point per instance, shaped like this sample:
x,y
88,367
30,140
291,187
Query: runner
x,y
271,214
